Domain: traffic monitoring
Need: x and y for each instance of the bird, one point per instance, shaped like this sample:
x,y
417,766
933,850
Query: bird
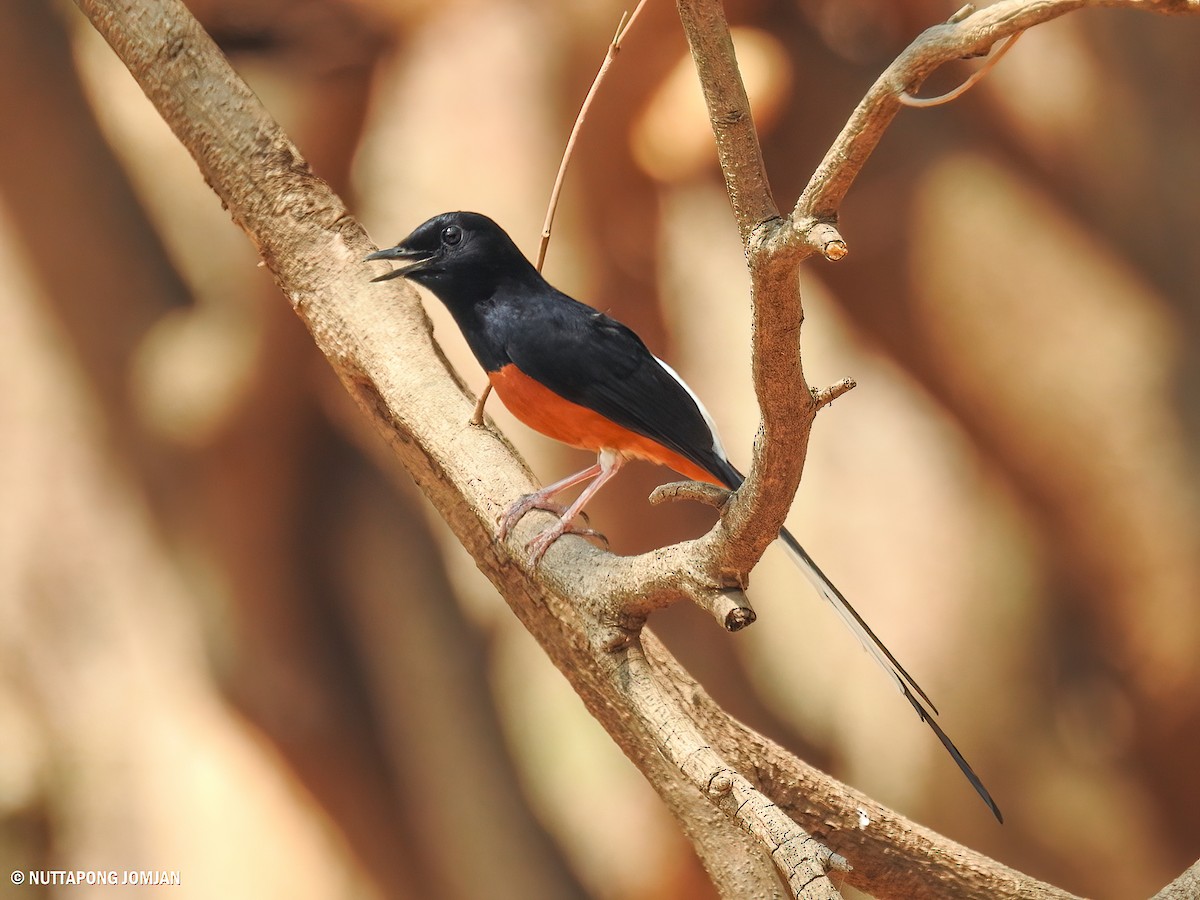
x,y
579,376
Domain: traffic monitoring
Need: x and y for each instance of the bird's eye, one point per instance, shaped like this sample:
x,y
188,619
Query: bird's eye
x,y
451,235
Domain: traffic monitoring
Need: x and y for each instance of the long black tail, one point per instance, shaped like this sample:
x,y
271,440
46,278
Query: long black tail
x,y
873,645
908,687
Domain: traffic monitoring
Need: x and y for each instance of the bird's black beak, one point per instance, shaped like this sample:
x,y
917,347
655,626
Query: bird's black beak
x,y
415,258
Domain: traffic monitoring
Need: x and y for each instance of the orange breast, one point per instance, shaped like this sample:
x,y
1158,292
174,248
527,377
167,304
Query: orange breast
x,y
545,411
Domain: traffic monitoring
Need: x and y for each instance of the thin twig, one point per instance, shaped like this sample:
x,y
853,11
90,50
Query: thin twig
x,y
614,48
477,415
623,27
924,102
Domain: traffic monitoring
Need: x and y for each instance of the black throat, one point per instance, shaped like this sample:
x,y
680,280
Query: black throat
x,y
486,301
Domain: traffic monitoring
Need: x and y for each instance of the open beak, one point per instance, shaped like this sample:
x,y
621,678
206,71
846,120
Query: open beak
x,y
415,258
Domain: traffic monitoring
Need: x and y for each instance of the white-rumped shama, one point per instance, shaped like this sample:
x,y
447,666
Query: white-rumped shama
x,y
582,378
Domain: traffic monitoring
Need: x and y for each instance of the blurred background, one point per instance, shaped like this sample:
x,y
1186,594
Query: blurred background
x,y
234,642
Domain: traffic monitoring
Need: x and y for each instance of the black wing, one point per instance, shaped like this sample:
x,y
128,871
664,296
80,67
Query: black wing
x,y
592,359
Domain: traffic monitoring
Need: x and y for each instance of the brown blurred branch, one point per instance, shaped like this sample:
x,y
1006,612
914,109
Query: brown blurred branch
x,y
56,174
585,607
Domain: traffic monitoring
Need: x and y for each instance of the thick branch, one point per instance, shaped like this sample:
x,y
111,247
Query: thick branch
x,y
729,110
871,836
801,861
753,519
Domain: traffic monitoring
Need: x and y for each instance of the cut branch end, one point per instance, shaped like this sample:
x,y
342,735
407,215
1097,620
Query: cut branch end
x,y
835,250
825,238
729,606
739,617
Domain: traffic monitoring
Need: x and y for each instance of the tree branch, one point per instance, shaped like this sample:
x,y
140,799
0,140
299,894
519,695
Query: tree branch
x,y
586,608
775,248
801,860
1185,887
752,520
729,110
962,36
851,824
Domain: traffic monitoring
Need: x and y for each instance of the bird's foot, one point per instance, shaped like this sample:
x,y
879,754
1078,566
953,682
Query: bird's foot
x,y
537,500
537,548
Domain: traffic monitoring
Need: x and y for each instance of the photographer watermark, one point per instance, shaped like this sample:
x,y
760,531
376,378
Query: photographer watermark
x,y
139,877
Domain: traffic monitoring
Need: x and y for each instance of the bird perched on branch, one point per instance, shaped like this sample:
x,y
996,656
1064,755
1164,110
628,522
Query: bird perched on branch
x,y
582,378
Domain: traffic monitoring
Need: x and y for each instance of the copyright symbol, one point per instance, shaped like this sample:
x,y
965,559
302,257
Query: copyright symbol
x,y
18,877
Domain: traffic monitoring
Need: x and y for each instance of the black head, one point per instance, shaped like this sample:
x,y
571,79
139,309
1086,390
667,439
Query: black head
x,y
457,255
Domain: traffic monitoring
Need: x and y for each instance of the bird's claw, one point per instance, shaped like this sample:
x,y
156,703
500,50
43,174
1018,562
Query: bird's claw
x,y
537,548
516,512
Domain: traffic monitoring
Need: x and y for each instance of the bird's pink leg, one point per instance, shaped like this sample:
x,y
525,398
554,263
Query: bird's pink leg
x,y
606,466
542,499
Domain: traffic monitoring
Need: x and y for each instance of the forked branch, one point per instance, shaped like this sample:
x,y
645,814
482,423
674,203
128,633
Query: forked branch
x,y
776,245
